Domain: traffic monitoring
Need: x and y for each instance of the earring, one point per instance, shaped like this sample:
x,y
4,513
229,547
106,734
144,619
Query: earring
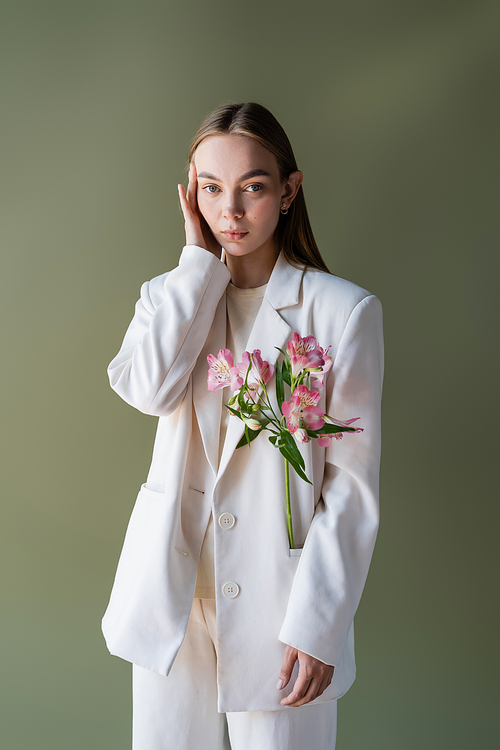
x,y
283,206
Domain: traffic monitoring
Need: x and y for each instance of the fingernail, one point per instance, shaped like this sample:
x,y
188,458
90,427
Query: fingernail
x,y
280,684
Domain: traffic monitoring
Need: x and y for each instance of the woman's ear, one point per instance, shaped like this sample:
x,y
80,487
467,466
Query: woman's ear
x,y
291,187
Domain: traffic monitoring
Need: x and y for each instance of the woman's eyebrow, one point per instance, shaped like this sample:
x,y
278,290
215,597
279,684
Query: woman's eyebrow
x,y
246,176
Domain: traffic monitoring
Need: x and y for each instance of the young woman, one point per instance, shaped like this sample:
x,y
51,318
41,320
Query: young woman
x,y
239,640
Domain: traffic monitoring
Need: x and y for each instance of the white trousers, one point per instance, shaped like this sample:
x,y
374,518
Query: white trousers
x,y
179,712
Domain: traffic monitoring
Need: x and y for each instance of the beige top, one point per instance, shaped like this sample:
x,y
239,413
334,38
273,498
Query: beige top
x,y
242,306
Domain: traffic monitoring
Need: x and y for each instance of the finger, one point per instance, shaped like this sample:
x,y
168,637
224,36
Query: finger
x,y
182,193
319,689
183,201
309,695
312,693
323,686
192,187
299,689
289,658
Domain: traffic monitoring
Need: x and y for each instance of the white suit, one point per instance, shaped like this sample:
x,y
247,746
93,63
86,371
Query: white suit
x,y
305,597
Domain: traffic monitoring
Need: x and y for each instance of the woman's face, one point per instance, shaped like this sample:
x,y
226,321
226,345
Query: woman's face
x,y
240,193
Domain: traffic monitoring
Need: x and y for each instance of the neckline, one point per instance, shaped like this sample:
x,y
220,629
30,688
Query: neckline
x,y
236,292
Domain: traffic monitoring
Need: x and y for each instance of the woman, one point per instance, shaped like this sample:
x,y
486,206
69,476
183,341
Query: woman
x,y
230,630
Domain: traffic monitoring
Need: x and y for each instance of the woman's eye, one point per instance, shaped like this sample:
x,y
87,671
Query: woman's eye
x,y
254,188
209,189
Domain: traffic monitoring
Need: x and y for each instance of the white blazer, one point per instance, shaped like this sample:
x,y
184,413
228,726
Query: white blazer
x,y
305,597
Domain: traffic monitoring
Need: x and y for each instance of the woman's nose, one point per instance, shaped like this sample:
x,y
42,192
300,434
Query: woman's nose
x,y
233,207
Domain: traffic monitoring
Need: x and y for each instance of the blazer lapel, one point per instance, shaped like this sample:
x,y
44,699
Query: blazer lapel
x,y
268,332
207,404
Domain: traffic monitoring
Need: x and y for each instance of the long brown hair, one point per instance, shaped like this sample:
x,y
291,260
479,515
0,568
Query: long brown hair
x,y
293,233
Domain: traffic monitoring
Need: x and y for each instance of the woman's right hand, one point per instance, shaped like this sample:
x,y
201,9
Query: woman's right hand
x,y
197,230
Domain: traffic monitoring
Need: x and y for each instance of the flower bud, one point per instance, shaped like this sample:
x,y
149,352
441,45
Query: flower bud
x,y
250,422
301,435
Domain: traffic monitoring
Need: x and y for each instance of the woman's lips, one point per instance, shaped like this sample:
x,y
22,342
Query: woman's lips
x,y
235,236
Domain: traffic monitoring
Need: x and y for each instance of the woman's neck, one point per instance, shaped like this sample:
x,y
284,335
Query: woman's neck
x,y
252,270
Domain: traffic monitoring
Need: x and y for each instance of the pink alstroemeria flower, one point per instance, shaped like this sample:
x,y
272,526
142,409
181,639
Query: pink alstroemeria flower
x,y
260,373
326,440
318,377
221,371
304,354
303,407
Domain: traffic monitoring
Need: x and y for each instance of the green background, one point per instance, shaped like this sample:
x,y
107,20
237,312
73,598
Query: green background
x,y
392,108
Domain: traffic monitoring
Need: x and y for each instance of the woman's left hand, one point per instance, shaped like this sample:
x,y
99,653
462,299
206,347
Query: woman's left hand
x,y
313,678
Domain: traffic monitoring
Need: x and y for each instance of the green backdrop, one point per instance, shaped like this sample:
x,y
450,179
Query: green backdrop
x,y
392,108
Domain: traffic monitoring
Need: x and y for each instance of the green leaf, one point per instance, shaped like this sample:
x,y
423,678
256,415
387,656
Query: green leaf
x,y
250,435
280,391
235,412
286,374
241,399
272,439
286,454
291,445
281,350
330,429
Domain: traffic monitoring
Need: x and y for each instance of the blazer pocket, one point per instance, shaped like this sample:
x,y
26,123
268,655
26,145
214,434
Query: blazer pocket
x,y
295,552
153,491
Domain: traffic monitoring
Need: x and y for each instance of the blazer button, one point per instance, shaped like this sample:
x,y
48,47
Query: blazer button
x,y
226,520
230,589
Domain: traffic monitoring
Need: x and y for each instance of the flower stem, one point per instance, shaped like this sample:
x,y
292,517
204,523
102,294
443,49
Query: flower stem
x,y
288,509
267,401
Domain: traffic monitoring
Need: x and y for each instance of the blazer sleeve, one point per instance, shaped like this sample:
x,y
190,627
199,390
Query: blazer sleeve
x,y
338,547
171,323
